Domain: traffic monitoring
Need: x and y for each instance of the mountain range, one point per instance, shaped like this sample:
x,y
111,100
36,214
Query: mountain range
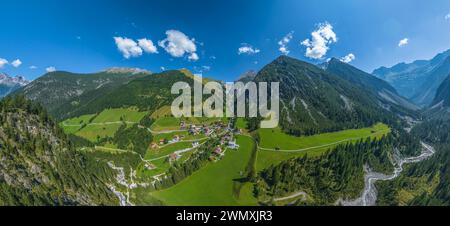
x,y
55,169
419,80
386,94
314,100
58,88
9,84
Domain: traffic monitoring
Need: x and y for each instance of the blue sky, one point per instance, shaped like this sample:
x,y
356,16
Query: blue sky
x,y
205,36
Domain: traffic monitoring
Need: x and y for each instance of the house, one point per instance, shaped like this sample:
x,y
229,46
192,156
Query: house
x,y
182,125
161,142
175,139
227,137
174,157
193,129
233,145
195,144
150,166
218,151
154,145
208,132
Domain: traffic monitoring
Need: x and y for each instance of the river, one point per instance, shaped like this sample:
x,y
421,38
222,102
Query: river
x,y
369,195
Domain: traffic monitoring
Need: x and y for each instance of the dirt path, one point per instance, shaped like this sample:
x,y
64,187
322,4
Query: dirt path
x,y
300,193
98,123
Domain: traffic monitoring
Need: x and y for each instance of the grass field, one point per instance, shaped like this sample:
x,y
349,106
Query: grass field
x,y
314,145
103,125
116,114
166,123
214,184
241,123
165,111
91,132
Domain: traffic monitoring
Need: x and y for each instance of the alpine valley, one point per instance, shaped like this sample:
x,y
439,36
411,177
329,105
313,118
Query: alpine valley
x,y
109,138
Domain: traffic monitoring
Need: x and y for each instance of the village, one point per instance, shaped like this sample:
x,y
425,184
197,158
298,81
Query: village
x,y
195,135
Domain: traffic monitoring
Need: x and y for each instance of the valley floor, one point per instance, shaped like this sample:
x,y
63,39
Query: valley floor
x,y
219,182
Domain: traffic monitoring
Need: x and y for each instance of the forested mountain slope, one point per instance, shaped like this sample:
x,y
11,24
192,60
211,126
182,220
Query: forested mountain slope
x,y
39,166
440,108
386,94
57,88
147,93
314,100
427,182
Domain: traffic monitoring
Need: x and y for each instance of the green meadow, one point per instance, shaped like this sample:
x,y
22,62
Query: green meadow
x,y
120,114
286,146
215,183
241,123
102,125
92,132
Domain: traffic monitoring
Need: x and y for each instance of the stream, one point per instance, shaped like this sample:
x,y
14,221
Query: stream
x,y
124,199
369,195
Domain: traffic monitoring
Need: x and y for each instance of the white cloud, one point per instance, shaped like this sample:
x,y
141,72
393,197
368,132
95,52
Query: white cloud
x,y
147,45
318,45
202,69
247,49
16,63
284,42
177,44
32,67
128,47
50,69
403,42
3,62
349,58
163,68
193,57
447,17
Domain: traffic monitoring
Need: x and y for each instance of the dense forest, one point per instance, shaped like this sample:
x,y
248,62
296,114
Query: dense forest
x,y
135,138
